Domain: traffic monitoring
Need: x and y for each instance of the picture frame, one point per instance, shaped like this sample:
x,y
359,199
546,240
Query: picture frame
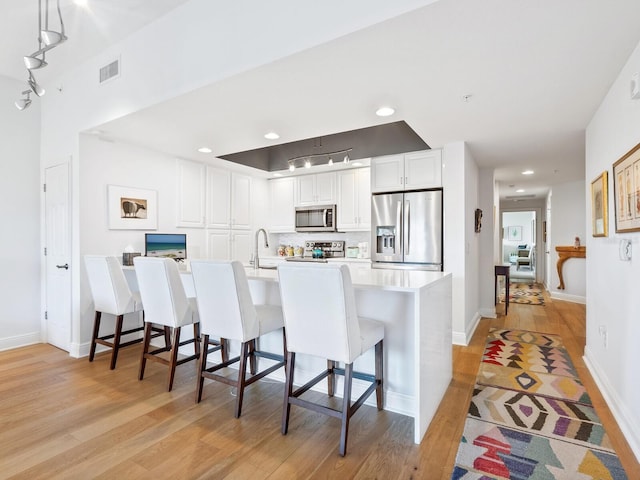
x,y
132,208
514,233
478,220
599,202
626,191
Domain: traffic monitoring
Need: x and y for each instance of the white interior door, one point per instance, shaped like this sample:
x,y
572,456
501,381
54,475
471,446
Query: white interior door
x,y
58,256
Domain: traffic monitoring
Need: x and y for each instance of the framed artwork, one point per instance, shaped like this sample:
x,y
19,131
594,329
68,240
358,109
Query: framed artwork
x,y
478,220
626,188
599,203
514,233
132,208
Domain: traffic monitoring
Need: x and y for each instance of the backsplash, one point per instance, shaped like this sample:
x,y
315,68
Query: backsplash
x,y
351,239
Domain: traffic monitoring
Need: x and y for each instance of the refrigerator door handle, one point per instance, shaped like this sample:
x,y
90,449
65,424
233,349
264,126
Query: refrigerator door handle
x,y
400,226
407,223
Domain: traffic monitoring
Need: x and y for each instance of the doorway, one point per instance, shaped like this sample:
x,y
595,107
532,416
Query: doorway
x,y
519,244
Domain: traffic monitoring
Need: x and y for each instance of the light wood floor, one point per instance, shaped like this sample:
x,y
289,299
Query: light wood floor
x,y
67,418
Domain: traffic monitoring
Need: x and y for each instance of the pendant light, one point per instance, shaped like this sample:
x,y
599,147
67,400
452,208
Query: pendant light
x,y
35,88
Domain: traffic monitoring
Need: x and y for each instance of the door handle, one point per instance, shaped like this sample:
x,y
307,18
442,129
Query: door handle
x,y
407,216
65,266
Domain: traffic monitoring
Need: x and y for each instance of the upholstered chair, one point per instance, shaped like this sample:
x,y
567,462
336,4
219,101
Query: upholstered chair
x,y
227,311
111,295
321,319
167,304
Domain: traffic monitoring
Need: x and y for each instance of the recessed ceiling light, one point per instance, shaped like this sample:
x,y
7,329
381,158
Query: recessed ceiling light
x,y
520,190
385,111
271,136
205,150
528,172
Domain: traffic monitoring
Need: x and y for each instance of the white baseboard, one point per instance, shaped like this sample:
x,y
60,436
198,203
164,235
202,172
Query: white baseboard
x,y
630,430
555,295
463,338
9,343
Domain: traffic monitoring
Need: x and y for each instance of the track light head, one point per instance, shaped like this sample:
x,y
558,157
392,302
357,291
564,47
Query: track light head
x,y
23,103
35,88
32,62
51,38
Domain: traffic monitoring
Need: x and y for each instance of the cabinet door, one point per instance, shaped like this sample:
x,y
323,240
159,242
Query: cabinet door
x,y
347,207
423,169
218,198
364,198
387,173
240,201
306,190
241,246
191,194
282,199
325,188
219,245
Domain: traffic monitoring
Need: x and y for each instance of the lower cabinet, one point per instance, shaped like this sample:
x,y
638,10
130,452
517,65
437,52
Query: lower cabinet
x,y
229,245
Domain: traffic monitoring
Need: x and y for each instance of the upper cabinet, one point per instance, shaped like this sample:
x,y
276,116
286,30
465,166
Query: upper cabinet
x,y
191,194
282,194
228,199
316,189
354,199
408,171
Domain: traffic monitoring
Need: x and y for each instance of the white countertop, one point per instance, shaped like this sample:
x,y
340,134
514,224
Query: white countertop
x,y
363,276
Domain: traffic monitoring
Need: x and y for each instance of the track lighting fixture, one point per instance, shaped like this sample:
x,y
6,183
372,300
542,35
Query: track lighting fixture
x,y
47,39
23,103
308,158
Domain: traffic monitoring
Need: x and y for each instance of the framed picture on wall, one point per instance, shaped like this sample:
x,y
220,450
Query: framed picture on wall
x,y
626,190
514,233
132,208
599,203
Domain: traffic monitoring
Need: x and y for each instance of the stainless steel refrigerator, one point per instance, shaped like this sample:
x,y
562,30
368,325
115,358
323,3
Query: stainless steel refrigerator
x,y
406,230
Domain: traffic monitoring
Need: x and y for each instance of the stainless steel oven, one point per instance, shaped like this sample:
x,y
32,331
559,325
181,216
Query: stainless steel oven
x,y
316,218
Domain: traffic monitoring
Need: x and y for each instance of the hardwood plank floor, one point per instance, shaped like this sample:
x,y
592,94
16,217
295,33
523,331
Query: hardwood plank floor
x,y
68,418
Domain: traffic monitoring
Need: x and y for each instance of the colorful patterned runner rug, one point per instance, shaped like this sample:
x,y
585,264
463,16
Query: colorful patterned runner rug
x,y
527,293
530,416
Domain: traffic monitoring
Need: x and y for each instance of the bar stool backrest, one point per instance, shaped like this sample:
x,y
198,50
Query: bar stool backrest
x,y
109,288
224,300
162,292
319,309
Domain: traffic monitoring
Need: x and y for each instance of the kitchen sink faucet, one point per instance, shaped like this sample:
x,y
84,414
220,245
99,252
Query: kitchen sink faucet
x,y
256,259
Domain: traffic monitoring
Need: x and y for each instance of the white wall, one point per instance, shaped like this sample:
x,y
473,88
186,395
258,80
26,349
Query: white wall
x,y
461,244
517,219
487,258
612,300
567,222
20,184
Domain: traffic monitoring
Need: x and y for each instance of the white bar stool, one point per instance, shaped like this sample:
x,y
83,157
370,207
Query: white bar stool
x,y
227,311
320,319
111,294
166,303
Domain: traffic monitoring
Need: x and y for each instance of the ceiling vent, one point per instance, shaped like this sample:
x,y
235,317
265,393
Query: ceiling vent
x,y
110,71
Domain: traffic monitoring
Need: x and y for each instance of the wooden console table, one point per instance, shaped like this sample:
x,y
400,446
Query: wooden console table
x,y
565,253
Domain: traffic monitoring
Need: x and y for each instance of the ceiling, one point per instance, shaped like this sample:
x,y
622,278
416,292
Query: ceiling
x,y
518,81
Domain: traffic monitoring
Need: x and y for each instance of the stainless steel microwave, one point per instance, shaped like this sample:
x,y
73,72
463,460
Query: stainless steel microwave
x,y
316,218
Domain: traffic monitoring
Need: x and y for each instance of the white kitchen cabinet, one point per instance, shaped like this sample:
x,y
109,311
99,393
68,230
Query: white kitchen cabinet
x,y
354,199
316,189
228,199
282,196
408,171
229,245
191,194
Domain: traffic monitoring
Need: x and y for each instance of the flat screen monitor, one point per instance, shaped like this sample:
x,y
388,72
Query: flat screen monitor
x,y
170,245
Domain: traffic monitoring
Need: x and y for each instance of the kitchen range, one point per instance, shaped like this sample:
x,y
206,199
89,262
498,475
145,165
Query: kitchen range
x,y
319,251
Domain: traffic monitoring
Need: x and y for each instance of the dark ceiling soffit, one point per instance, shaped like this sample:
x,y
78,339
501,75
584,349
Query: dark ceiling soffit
x,y
388,139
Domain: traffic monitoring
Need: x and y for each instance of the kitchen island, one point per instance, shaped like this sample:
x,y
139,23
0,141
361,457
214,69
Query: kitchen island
x,y
415,307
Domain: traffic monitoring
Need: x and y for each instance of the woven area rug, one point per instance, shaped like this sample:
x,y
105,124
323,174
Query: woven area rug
x,y
526,293
530,416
